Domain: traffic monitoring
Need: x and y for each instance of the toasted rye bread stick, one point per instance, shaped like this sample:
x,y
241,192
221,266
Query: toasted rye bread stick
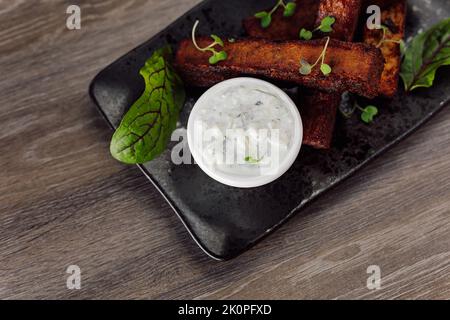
x,y
319,108
284,28
308,15
393,17
356,67
346,13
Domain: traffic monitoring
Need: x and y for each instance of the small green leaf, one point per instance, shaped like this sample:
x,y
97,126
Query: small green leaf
x,y
326,23
261,14
252,160
217,57
305,68
305,34
266,21
146,128
231,40
367,118
326,29
326,69
289,10
217,39
369,113
213,59
222,55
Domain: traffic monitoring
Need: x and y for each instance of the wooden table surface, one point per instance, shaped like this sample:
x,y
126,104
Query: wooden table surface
x,y
64,200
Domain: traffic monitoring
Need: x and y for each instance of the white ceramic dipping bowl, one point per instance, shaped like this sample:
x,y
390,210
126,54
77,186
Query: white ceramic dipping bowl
x,y
244,175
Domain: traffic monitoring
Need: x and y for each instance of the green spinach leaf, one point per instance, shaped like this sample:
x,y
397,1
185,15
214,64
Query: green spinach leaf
x,y
426,53
145,129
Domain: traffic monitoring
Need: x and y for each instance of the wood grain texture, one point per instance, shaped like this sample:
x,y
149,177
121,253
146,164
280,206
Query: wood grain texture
x,y
64,200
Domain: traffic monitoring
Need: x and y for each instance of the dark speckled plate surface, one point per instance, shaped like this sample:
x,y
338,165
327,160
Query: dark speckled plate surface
x,y
226,221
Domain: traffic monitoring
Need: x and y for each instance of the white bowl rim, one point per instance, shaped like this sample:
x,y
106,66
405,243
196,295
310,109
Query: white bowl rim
x,y
248,182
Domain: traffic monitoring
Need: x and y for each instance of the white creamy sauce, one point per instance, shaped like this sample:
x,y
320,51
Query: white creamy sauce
x,y
256,119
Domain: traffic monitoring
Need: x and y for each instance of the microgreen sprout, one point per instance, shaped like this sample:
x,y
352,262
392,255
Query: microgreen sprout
x,y
306,67
383,38
326,26
252,160
367,114
216,56
266,17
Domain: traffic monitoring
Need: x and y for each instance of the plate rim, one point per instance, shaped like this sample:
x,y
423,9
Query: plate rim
x,y
295,210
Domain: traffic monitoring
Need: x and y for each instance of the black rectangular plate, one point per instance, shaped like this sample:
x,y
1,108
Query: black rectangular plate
x,y
226,221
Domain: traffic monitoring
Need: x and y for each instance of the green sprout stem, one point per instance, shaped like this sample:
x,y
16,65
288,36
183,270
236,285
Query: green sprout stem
x,y
357,107
306,68
324,52
280,3
316,29
383,38
367,114
216,56
325,26
194,41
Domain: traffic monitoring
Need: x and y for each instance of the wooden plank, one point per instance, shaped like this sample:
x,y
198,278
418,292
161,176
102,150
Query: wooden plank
x,y
64,201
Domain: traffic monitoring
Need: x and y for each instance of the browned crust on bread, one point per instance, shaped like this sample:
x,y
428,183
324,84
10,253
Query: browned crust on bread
x,y
356,67
346,13
394,18
318,110
284,28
